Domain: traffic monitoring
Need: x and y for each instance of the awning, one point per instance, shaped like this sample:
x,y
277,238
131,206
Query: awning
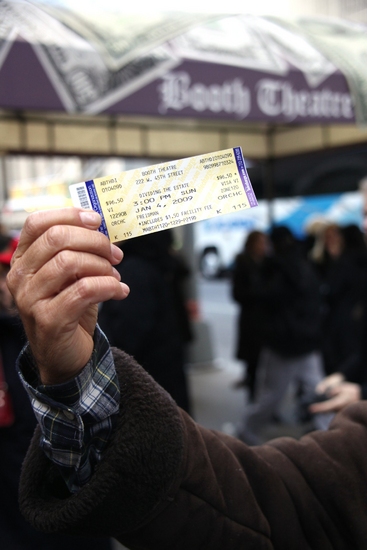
x,y
177,84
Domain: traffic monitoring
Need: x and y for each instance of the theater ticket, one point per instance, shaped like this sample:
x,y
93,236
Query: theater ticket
x,y
167,195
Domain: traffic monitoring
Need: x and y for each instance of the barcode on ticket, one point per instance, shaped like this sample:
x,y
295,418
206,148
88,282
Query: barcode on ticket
x,y
80,195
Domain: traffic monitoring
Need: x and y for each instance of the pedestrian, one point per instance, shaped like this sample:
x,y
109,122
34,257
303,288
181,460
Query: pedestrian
x,y
248,292
290,334
342,285
348,384
152,324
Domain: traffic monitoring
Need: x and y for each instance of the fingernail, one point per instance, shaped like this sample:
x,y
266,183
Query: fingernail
x,y
90,218
125,288
116,253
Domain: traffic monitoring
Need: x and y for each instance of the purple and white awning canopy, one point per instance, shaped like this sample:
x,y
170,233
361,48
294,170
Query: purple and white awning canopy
x,y
243,68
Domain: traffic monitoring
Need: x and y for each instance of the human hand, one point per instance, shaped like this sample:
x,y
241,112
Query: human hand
x,y
329,382
339,396
59,273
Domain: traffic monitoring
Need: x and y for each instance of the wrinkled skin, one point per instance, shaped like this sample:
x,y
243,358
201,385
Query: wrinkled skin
x,y
59,273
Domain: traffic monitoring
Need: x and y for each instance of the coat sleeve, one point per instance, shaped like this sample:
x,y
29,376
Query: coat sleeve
x,y
167,483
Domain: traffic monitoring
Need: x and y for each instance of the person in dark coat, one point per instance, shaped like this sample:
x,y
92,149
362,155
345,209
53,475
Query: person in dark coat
x,y
15,532
349,383
163,481
290,334
247,291
342,286
152,323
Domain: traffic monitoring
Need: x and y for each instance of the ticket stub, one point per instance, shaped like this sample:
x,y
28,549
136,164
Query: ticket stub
x,y
166,195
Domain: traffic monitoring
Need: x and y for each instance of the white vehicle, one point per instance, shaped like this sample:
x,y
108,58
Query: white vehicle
x,y
218,240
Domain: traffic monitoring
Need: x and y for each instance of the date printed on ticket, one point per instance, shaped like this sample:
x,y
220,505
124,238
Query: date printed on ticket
x,y
166,195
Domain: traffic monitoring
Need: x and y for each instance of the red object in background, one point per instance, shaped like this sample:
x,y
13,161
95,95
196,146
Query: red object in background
x,y
6,409
6,255
192,307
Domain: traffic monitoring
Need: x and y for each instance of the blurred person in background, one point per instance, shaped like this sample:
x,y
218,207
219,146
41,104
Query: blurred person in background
x,y
291,335
355,244
348,384
342,273
153,323
17,424
247,291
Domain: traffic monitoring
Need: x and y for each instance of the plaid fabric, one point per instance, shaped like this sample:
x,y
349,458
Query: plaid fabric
x,y
78,416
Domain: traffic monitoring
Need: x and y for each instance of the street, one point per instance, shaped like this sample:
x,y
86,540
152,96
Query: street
x,y
219,309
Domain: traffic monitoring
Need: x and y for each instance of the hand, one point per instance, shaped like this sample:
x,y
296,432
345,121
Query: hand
x,y
329,382
339,396
60,271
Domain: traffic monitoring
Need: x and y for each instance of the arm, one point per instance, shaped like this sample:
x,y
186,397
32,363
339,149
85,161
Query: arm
x,y
166,482
58,272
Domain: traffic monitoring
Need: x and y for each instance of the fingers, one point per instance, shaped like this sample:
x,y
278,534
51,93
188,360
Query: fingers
x,y
61,238
66,237
76,298
73,302
342,395
331,405
69,283
38,222
41,241
329,382
64,269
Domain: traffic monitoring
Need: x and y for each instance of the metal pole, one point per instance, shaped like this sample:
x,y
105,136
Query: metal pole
x,y
269,173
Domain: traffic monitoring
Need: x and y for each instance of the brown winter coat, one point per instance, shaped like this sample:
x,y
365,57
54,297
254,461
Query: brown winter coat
x,y
166,483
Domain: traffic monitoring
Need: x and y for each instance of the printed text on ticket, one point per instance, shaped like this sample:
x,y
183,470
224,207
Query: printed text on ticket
x,y
167,195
